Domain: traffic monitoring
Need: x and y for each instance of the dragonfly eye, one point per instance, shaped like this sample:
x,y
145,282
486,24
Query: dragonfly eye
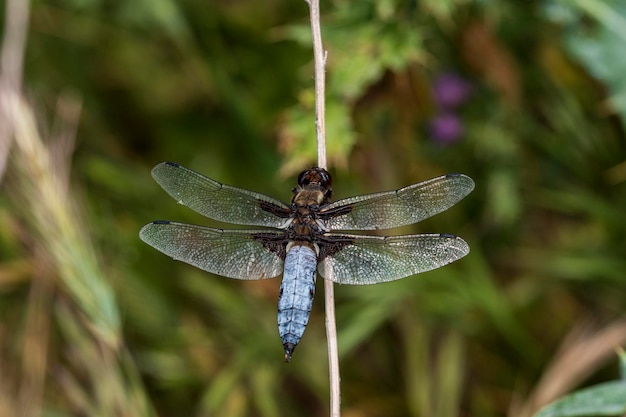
x,y
315,175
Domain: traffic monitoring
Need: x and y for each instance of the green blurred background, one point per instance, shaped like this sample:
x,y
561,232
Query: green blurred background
x,y
528,98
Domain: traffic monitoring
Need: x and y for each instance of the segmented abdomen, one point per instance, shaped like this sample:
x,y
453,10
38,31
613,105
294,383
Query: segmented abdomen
x,y
296,296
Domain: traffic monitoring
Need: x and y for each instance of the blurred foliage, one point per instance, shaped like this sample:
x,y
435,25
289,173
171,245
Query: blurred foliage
x,y
94,322
606,399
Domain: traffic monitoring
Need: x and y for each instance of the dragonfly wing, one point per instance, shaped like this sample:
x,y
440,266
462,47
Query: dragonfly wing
x,y
360,260
219,201
240,254
397,208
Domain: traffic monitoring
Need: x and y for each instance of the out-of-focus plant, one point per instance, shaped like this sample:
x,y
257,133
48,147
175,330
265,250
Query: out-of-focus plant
x,y
71,289
607,399
450,91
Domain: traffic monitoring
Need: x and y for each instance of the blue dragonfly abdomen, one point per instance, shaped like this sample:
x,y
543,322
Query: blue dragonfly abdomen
x,y
296,296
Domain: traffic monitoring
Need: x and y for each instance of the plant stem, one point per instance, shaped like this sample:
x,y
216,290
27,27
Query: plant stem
x,y
320,126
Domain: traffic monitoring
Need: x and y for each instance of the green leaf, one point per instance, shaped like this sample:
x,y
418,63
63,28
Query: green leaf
x,y
600,49
608,399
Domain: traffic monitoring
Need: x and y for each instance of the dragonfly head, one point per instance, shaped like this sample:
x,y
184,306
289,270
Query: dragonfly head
x,y
316,177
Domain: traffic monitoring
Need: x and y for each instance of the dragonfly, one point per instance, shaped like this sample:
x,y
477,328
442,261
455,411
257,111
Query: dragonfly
x,y
300,239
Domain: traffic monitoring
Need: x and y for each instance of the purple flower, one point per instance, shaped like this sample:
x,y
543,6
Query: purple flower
x,y
450,90
446,128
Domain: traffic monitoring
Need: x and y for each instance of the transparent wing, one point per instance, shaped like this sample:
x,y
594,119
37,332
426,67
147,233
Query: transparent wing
x,y
400,207
219,201
360,260
238,254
